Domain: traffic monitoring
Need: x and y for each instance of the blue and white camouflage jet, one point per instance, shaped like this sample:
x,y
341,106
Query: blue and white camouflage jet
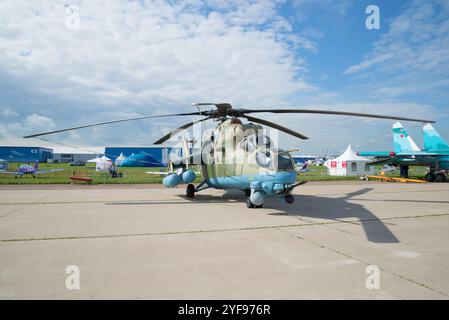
x,y
434,155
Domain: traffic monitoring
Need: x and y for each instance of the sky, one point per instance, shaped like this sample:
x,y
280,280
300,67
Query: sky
x,y
66,63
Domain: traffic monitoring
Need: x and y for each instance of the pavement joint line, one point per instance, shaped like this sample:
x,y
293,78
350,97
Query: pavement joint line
x,y
137,201
368,193
29,204
347,255
38,202
212,230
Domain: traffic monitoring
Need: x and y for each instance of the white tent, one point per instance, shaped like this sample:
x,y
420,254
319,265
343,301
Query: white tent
x,y
349,164
119,159
102,164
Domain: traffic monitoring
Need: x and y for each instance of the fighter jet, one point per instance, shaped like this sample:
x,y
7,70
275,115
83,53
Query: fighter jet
x,y
434,155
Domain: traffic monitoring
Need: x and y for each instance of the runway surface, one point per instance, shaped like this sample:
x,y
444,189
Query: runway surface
x,y
150,242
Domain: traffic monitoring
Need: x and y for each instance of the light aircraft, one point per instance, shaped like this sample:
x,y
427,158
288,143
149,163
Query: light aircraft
x,y
236,155
435,154
27,169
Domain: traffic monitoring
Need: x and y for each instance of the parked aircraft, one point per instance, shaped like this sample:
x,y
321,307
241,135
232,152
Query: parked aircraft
x,y
27,169
434,155
237,155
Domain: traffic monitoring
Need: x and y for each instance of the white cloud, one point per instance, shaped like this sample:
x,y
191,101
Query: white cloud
x,y
366,64
413,55
9,113
36,121
136,51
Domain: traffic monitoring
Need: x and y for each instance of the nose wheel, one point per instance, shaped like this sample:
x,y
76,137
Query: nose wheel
x,y
251,205
289,199
190,191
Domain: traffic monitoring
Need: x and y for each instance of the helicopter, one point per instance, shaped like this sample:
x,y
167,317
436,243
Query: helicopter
x,y
236,155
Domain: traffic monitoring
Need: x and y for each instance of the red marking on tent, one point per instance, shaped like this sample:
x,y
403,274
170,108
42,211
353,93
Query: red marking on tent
x,y
333,164
402,136
343,164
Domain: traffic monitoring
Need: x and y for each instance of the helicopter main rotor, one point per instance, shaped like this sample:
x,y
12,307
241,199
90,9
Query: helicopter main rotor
x,y
224,110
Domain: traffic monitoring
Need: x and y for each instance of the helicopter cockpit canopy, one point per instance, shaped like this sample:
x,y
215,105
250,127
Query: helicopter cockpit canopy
x,y
265,155
274,160
255,141
284,161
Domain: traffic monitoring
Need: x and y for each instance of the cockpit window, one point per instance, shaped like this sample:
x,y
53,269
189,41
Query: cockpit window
x,y
263,140
264,159
284,162
252,142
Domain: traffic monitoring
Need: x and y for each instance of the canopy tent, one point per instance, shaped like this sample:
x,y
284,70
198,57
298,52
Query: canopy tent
x,y
349,164
102,163
119,159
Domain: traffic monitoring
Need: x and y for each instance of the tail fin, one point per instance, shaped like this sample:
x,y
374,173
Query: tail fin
x,y
36,164
432,140
402,141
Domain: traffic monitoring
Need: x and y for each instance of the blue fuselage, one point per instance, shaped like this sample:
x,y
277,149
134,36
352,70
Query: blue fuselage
x,y
271,183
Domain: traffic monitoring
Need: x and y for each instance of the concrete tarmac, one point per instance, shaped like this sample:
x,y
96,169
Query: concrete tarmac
x,y
354,240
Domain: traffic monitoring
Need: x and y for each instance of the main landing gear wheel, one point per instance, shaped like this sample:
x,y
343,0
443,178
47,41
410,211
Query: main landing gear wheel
x,y
190,191
440,177
251,205
289,199
429,177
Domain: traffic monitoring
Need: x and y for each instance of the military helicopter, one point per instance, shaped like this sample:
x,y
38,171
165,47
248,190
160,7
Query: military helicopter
x,y
236,155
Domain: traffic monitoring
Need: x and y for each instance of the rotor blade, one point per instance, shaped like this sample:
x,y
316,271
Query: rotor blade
x,y
339,113
109,122
172,133
276,126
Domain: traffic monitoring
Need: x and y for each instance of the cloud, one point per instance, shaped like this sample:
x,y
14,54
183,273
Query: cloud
x,y
9,113
412,56
36,121
138,51
368,63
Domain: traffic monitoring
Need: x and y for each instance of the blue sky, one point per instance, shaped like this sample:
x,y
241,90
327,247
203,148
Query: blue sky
x,y
64,63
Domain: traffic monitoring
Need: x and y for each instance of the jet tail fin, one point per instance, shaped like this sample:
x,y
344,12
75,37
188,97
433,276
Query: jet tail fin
x,y
432,139
402,141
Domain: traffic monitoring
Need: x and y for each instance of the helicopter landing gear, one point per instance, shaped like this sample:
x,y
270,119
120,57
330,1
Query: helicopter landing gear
x,y
289,199
256,199
190,191
251,205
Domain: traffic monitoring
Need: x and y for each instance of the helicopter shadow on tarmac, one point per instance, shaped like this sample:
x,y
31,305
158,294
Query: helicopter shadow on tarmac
x,y
320,207
305,206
